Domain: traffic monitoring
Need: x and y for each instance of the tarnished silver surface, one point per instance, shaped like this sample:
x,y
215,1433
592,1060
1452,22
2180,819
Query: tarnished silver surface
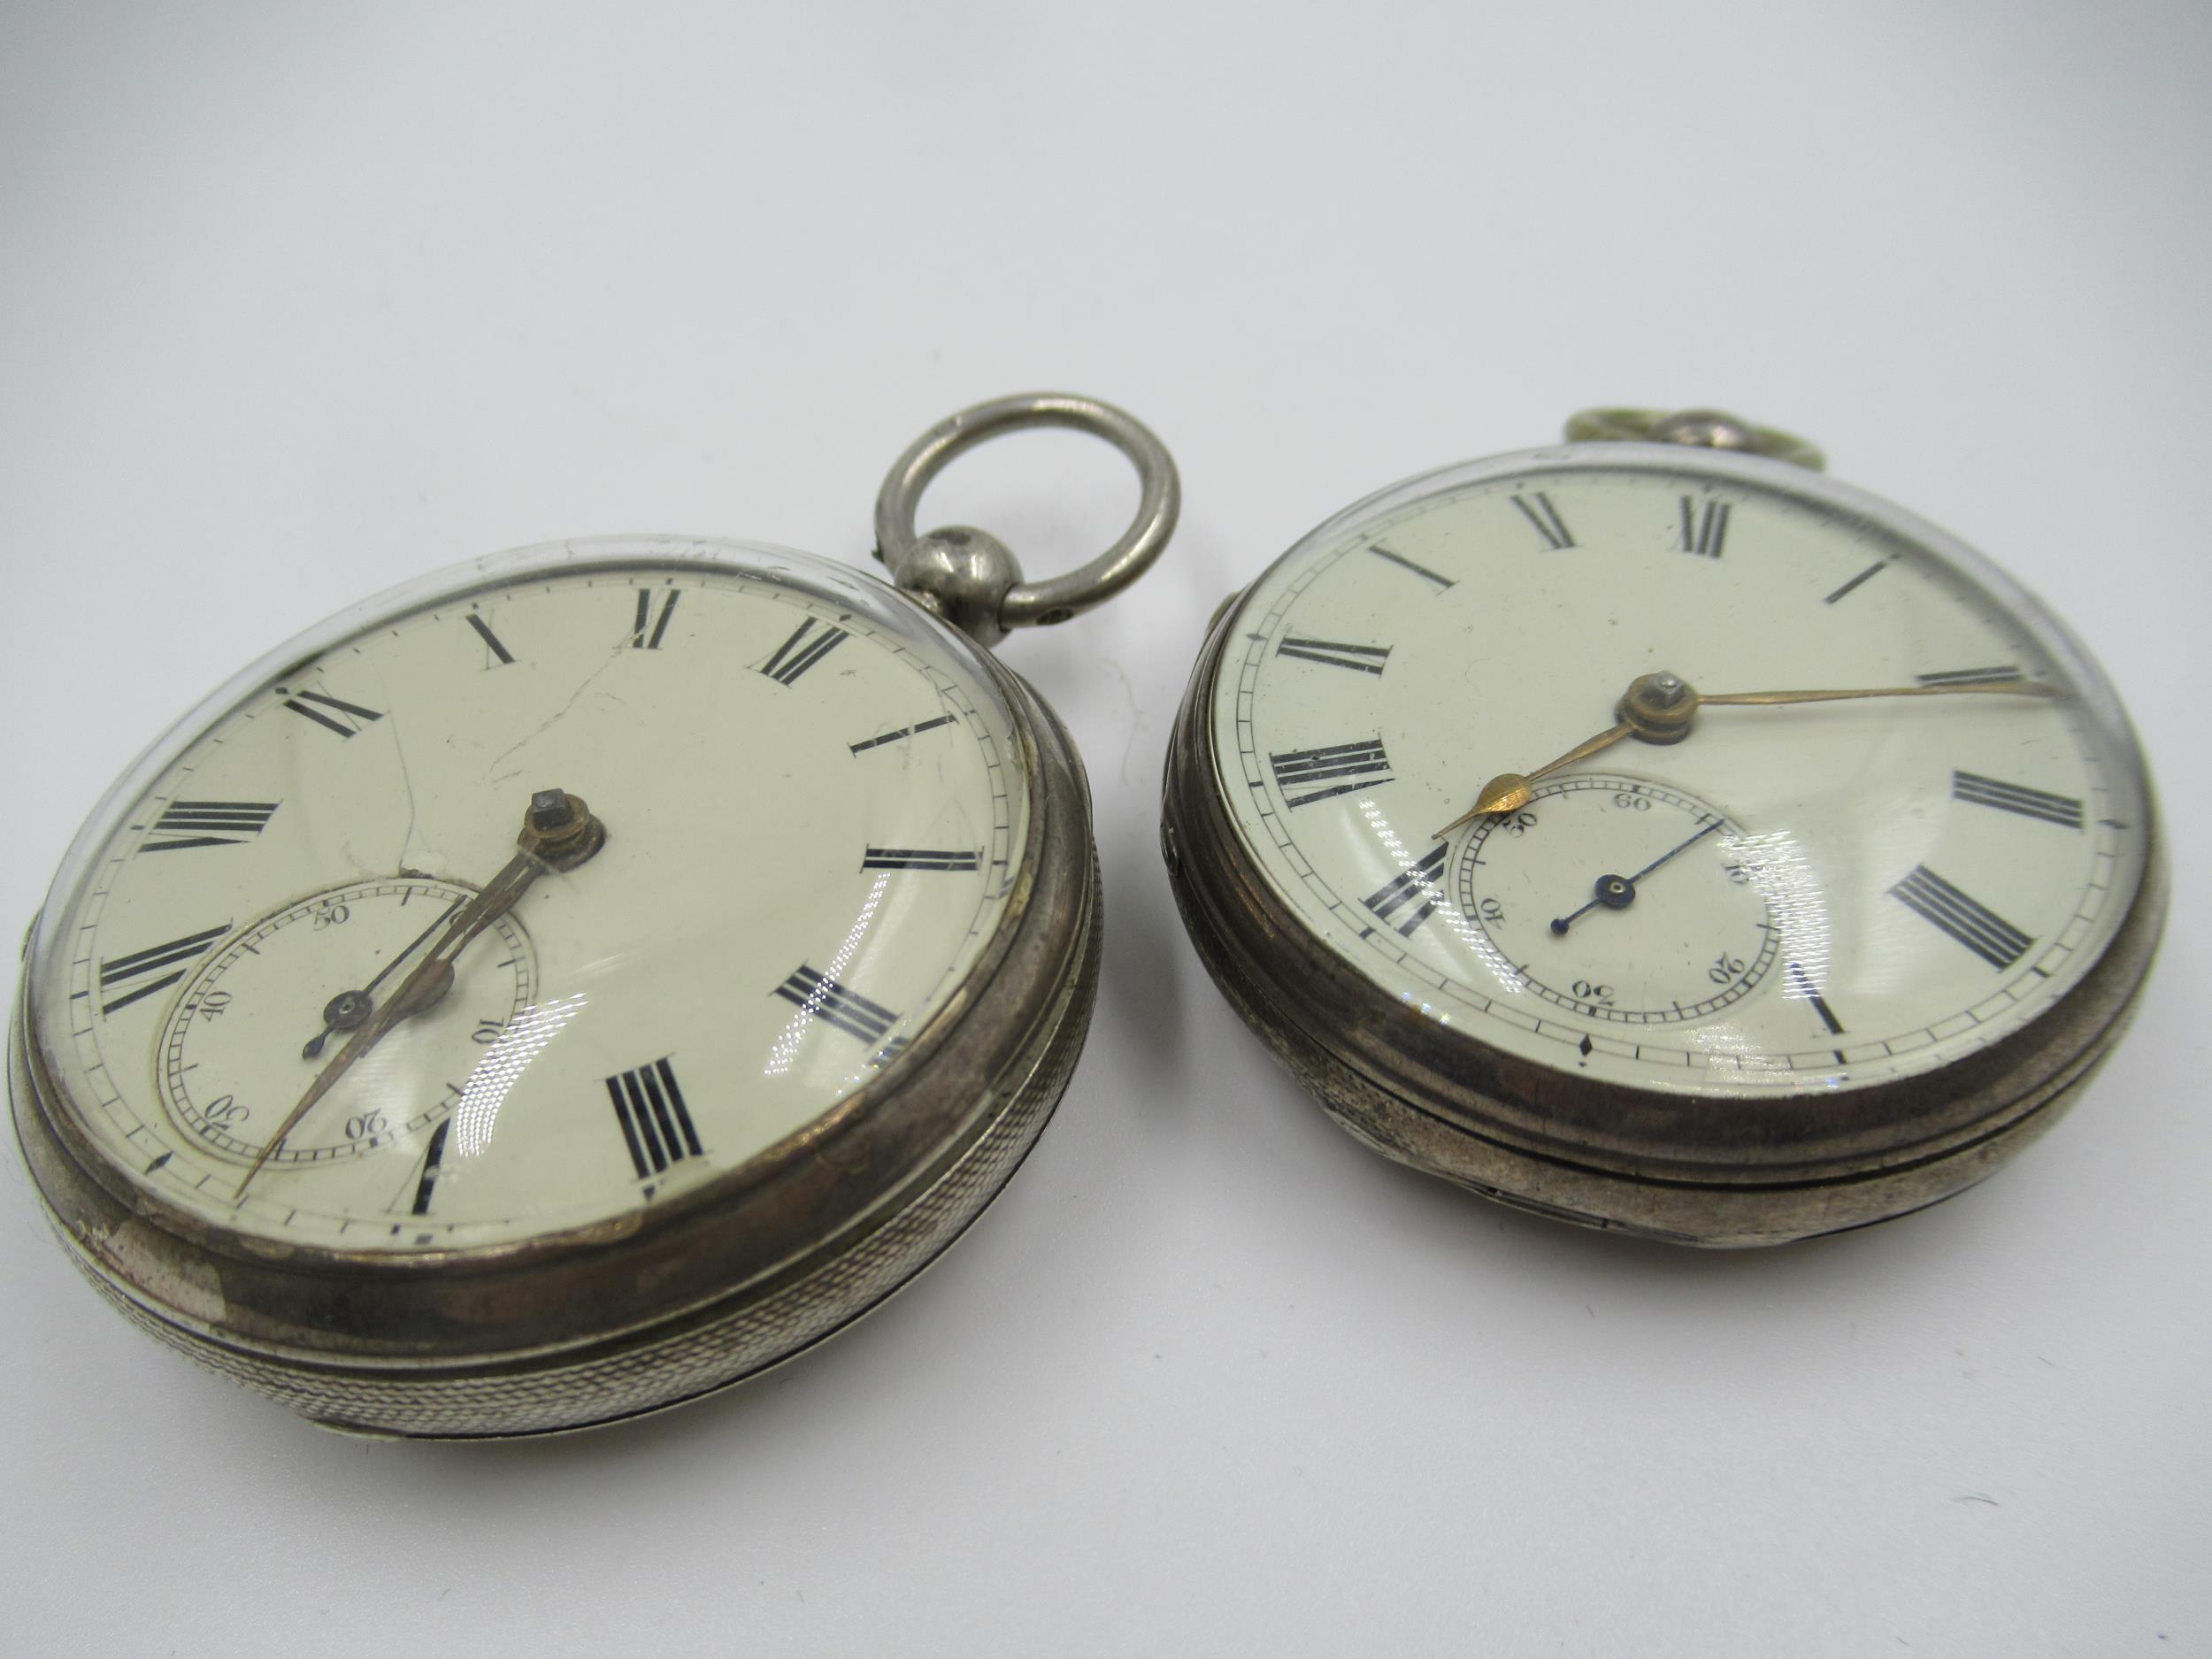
x,y
971,579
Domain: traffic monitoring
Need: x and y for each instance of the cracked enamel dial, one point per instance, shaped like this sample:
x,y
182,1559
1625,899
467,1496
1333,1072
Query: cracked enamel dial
x,y
1785,896
813,806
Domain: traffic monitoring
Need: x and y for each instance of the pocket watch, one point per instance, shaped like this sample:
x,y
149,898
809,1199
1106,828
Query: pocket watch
x,y
1654,834
574,981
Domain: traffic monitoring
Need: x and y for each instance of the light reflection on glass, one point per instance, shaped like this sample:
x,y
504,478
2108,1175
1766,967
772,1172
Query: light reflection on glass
x,y
1445,910
786,1048
501,1067
1726,1043
1797,903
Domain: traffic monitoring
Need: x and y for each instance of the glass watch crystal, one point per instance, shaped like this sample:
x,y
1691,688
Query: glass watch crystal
x,y
574,981
1695,837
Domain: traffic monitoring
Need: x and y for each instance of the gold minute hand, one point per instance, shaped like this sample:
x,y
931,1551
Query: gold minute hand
x,y
1660,708
559,832
1960,688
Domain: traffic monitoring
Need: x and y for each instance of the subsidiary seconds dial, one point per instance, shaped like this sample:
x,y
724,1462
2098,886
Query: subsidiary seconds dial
x,y
1618,901
231,1069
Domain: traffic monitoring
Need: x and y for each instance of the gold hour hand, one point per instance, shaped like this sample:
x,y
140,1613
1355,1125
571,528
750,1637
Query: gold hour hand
x,y
559,832
1509,791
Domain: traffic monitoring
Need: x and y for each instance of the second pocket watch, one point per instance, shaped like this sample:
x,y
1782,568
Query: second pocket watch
x,y
1654,834
577,979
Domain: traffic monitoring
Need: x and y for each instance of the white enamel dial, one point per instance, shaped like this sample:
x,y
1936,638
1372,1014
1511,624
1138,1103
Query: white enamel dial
x,y
814,801
1806,896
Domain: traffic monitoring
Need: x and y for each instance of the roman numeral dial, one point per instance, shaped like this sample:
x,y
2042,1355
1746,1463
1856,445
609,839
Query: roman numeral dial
x,y
2044,805
899,735
1536,507
138,974
1410,898
809,642
1361,659
1308,775
650,626
1969,921
187,824
1884,823
494,647
837,1006
920,858
433,1161
655,1120
813,811
1404,563
333,714
1704,526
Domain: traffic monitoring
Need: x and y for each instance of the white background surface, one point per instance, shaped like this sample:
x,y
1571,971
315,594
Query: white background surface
x,y
297,303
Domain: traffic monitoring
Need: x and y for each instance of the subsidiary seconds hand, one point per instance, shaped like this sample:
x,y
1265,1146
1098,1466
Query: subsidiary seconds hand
x,y
347,1008
1617,893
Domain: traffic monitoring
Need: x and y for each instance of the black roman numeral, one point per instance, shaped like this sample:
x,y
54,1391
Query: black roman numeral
x,y
1366,659
491,641
1852,585
1801,987
640,638
835,1005
432,1157
1417,883
2063,810
1980,929
144,964
1970,676
357,717
1537,508
801,652
656,1123
1704,534
1302,767
904,730
1404,563
918,858
209,824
